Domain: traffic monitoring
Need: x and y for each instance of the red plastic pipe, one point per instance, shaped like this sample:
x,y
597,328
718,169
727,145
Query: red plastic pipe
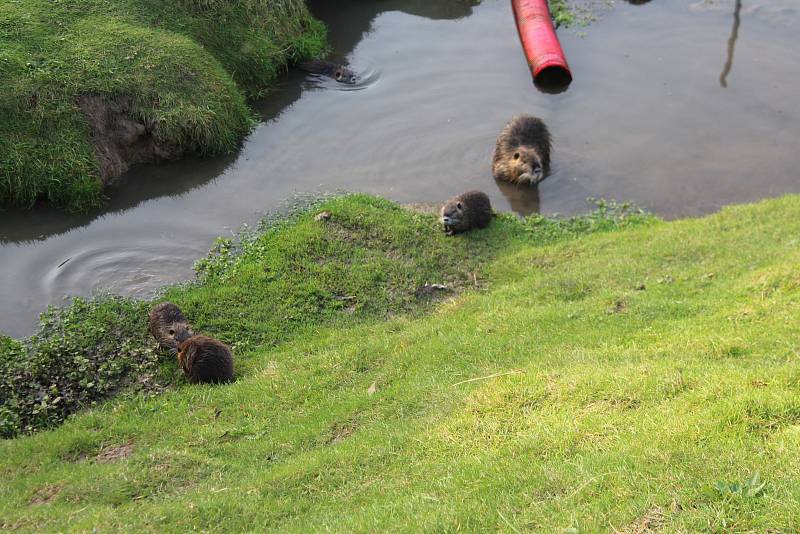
x,y
539,40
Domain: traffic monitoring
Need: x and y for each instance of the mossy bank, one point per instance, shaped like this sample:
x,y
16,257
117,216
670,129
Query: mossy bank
x,y
605,373
89,87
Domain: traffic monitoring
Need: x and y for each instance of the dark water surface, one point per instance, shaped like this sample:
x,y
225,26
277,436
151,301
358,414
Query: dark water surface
x,y
682,106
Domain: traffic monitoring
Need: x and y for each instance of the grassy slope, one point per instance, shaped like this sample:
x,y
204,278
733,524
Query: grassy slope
x,y
187,65
651,364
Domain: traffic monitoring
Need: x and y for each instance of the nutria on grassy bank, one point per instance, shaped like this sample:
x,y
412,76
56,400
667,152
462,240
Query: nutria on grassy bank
x,y
321,67
168,325
466,211
522,152
205,360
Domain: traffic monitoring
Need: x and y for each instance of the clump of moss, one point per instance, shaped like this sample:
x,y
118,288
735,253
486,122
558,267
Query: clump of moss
x,y
561,12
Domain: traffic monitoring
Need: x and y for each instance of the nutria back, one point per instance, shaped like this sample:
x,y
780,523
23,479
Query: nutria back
x,y
522,151
168,325
321,67
206,360
469,210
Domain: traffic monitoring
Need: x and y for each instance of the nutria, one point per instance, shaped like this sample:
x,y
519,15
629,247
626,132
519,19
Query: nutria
x,y
205,360
168,325
466,211
522,152
340,73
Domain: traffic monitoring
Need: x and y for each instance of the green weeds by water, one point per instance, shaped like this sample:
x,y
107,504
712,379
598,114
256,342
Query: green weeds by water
x,y
561,12
82,354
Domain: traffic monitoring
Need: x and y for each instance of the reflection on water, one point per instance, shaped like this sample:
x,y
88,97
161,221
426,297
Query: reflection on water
x,y
348,21
723,78
524,200
139,185
642,121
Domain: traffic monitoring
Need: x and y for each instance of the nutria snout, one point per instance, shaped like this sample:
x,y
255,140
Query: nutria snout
x,y
205,360
522,151
320,67
469,210
168,325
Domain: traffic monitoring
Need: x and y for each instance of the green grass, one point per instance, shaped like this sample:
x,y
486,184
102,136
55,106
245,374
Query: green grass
x,y
603,374
186,65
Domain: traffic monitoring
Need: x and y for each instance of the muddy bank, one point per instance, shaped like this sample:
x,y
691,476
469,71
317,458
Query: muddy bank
x,y
121,141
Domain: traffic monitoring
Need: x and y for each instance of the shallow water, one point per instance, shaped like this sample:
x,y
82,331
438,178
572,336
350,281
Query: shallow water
x,y
647,119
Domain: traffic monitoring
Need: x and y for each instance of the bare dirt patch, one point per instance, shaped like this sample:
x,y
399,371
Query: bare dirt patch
x,y
46,494
619,307
114,453
340,432
652,521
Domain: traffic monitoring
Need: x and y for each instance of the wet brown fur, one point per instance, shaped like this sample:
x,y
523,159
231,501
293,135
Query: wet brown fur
x,y
168,325
321,67
466,211
522,152
205,360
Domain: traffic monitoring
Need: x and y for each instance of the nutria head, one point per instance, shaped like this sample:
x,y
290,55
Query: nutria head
x,y
180,332
452,214
343,74
524,165
168,325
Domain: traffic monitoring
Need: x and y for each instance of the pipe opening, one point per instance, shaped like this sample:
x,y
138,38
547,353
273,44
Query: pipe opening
x,y
553,80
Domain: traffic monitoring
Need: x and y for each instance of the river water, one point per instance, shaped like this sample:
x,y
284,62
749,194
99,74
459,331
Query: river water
x,y
681,106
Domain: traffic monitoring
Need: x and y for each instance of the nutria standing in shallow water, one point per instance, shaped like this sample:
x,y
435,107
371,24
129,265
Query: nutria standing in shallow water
x,y
340,73
522,152
205,360
168,325
466,211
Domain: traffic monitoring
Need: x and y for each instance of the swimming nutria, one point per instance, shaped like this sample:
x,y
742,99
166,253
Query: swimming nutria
x,y
522,152
466,211
340,73
205,360
168,325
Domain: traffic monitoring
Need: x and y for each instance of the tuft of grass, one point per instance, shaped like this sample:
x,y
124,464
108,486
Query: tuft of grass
x,y
187,67
616,373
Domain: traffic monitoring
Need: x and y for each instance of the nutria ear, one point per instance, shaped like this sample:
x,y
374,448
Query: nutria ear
x,y
516,155
459,206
